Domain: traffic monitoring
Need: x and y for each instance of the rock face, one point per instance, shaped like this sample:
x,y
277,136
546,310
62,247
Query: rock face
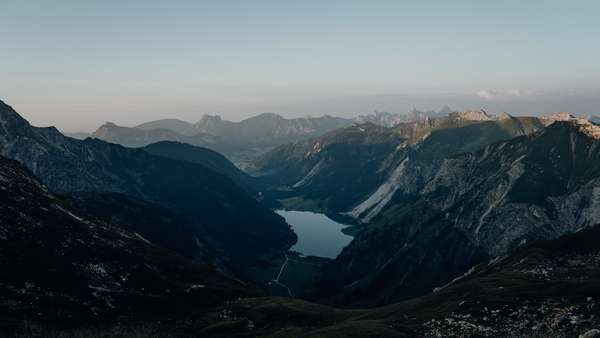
x,y
476,205
214,207
64,269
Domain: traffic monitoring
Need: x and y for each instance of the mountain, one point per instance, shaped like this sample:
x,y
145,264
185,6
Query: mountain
x,y
357,170
62,269
214,208
239,141
178,126
477,205
329,172
543,289
386,119
207,158
136,137
594,119
268,129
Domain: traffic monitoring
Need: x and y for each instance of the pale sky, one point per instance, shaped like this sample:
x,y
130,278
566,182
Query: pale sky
x,y
76,64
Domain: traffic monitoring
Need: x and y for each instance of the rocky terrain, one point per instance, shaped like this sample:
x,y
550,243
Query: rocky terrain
x,y
544,289
63,270
479,204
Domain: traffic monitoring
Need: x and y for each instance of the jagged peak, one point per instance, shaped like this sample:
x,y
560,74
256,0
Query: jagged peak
x,y
585,126
561,116
472,115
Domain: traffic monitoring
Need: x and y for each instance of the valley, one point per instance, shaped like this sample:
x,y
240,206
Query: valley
x,y
299,169
436,226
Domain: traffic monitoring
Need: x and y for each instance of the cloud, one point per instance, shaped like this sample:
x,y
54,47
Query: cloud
x,y
490,94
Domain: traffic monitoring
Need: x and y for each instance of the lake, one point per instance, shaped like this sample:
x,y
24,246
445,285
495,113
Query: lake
x,y
318,235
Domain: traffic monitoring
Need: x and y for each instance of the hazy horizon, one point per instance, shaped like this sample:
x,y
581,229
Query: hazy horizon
x,y
76,65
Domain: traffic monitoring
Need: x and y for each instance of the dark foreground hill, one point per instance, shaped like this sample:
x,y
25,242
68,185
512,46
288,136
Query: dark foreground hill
x,y
61,269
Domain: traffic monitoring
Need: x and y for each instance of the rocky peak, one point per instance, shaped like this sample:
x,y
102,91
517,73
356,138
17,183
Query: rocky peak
x,y
585,125
104,130
561,116
472,115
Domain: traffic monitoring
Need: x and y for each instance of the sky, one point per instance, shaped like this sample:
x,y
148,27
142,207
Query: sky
x,y
76,64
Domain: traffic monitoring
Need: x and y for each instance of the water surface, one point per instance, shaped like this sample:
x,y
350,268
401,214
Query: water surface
x,y
318,235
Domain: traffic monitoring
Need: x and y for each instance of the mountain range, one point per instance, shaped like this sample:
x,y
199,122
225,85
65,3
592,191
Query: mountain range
x,y
335,172
464,224
241,141
446,195
386,119
221,215
237,140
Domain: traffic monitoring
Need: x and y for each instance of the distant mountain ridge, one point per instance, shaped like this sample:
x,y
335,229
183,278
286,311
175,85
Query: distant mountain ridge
x,y
237,140
243,140
386,119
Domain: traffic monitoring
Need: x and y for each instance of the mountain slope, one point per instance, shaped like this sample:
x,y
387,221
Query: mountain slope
x,y
329,172
63,269
335,174
213,206
544,289
547,183
203,156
